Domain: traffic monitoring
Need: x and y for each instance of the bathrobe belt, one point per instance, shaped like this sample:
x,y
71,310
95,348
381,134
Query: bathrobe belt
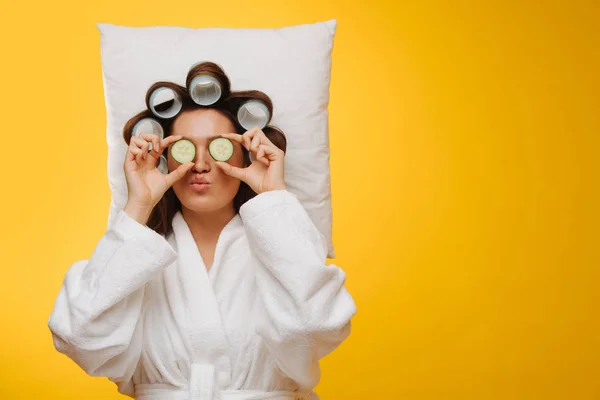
x,y
202,387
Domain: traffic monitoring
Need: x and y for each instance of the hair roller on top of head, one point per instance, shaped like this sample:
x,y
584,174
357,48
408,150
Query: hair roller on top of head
x,y
254,108
253,113
205,90
164,99
207,83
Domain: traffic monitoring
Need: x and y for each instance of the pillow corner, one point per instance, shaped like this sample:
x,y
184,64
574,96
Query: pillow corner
x,y
331,25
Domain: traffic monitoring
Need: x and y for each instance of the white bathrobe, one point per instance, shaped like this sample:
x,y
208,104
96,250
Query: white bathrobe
x,y
145,312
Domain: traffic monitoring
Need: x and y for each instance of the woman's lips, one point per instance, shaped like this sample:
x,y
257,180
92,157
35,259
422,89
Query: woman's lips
x,y
200,186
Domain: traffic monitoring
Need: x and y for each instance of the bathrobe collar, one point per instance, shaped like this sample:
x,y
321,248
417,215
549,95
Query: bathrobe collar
x,y
207,341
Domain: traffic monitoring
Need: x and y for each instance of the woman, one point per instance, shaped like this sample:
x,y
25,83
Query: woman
x,y
211,283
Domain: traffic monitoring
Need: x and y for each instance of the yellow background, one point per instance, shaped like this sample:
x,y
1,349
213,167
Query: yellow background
x,y
465,183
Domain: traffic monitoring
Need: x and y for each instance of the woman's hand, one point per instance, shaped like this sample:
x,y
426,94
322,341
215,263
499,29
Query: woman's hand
x,y
146,184
266,171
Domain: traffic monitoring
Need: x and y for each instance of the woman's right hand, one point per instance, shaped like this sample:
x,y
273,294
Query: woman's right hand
x,y
146,184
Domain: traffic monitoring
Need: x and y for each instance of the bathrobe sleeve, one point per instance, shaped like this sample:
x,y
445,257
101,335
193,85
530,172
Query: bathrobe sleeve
x,y
306,307
96,316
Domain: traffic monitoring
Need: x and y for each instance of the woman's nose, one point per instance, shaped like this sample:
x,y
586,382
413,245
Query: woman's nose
x,y
202,161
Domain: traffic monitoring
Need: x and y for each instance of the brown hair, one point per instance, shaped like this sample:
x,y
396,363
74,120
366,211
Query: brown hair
x,y
161,217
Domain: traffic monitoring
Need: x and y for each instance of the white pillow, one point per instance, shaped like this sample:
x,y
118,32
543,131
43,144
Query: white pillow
x,y
292,65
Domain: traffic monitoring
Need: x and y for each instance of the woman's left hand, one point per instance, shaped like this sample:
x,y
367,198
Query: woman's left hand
x,y
266,171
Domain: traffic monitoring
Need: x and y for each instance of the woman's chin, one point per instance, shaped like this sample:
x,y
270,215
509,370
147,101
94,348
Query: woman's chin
x,y
203,203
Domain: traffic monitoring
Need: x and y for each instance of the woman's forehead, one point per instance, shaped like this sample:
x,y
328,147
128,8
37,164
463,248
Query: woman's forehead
x,y
201,123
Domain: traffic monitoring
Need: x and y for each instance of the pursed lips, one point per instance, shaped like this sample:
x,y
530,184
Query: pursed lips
x,y
199,182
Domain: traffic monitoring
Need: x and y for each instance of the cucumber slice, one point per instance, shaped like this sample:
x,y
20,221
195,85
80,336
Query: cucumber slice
x,y
183,151
221,149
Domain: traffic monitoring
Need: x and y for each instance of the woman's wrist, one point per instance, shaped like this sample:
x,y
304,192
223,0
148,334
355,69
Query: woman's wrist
x,y
139,213
282,186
